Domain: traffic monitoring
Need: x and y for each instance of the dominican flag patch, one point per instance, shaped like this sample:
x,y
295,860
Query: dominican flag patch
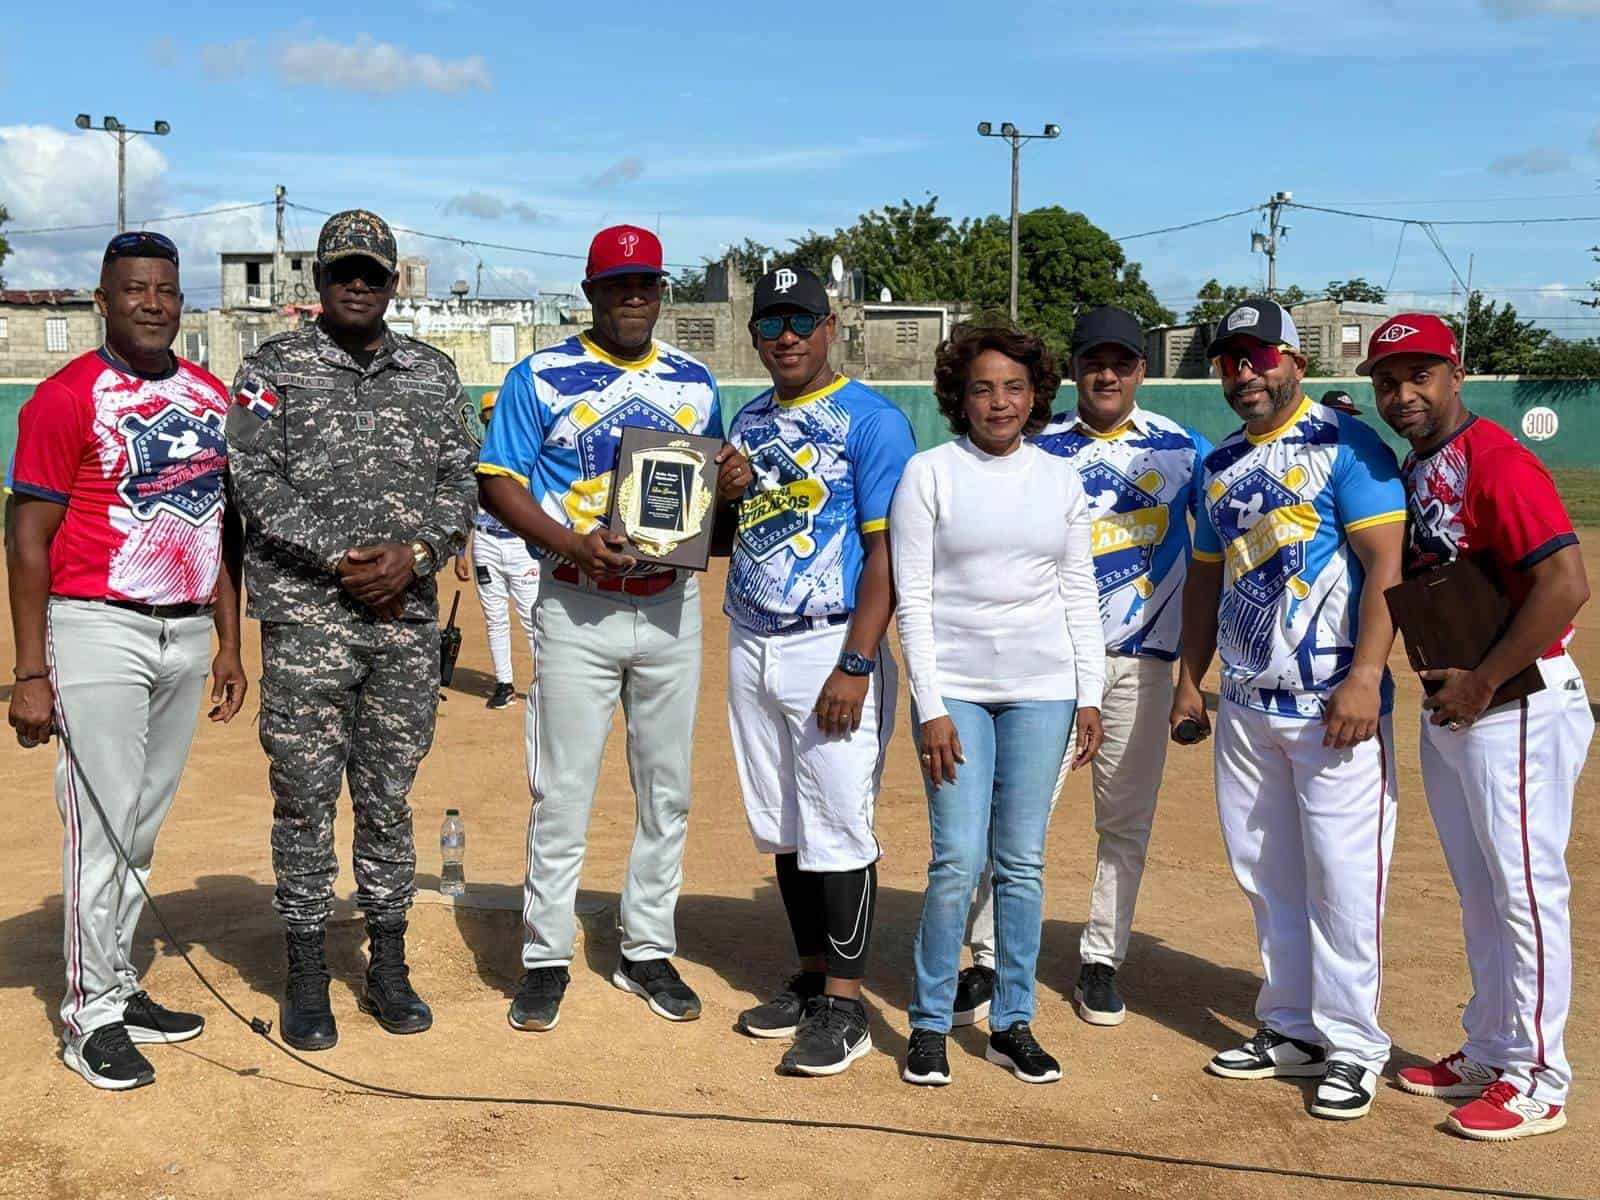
x,y
252,396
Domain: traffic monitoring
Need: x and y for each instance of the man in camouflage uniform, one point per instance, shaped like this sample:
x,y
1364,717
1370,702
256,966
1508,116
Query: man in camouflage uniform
x,y
355,478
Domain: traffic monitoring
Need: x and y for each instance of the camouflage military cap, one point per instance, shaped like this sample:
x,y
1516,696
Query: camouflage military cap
x,y
356,231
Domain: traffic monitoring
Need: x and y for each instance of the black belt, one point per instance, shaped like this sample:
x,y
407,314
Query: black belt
x,y
165,612
807,624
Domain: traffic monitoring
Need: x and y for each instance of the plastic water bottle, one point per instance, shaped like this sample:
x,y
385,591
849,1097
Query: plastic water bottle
x,y
453,854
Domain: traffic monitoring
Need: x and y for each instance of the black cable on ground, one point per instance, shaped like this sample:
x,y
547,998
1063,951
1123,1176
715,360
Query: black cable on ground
x,y
380,1091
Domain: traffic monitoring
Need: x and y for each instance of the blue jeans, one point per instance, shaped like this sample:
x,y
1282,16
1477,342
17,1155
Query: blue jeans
x,y
997,810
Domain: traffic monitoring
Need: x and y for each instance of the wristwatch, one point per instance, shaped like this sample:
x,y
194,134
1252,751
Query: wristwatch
x,y
422,561
852,663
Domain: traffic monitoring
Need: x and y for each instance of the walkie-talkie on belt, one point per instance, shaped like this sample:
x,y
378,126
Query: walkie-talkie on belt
x,y
449,644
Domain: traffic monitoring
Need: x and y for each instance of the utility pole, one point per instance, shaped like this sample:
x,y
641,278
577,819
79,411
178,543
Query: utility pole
x,y
1267,243
124,135
1010,133
280,265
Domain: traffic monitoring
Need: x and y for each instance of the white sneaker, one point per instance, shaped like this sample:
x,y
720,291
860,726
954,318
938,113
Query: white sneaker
x,y
1345,1092
1269,1054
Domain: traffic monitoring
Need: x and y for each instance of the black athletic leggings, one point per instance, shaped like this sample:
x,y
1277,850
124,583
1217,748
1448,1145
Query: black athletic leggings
x,y
830,913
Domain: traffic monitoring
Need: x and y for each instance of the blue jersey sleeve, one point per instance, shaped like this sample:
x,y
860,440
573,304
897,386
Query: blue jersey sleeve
x,y
880,444
516,431
1197,477
1366,479
714,426
1207,542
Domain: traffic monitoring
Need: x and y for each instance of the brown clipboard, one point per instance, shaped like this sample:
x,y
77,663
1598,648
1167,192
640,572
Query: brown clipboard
x,y
1452,616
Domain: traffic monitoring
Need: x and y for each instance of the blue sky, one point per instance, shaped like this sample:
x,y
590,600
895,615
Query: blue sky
x,y
535,124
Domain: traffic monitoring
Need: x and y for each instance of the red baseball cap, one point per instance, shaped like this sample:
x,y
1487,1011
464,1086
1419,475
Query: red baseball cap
x,y
624,250
1411,333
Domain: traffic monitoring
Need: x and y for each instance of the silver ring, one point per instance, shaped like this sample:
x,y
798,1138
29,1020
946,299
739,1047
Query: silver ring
x,y
1453,726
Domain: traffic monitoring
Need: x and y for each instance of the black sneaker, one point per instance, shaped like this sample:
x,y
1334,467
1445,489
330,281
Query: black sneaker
x,y
1095,997
106,1057
538,1002
974,990
926,1062
1268,1054
657,980
504,694
832,1035
148,1022
1016,1050
780,1016
1345,1092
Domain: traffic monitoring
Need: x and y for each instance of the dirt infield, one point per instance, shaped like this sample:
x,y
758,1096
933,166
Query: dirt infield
x,y
229,1113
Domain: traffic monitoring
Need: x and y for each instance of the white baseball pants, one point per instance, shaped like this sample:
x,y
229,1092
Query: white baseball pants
x,y
1126,777
503,568
128,689
1309,832
596,648
1500,791
804,793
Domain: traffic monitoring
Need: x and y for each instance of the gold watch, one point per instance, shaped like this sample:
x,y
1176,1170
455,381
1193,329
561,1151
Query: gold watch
x,y
421,559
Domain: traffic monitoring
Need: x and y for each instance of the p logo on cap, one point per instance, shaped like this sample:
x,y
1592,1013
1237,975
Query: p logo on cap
x,y
624,250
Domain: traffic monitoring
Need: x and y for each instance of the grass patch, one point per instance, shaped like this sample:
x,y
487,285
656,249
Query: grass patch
x,y
1580,491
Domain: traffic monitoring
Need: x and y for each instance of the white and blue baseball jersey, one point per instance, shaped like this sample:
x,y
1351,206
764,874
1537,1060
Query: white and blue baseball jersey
x,y
825,465
561,412
1278,510
1142,483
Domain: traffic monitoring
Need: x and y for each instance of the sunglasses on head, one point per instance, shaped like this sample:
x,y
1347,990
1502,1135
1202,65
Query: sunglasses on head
x,y
1261,359
347,270
141,243
802,325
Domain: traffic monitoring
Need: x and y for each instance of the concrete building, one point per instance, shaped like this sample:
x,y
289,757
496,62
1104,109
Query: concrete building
x,y
42,331
249,280
1333,333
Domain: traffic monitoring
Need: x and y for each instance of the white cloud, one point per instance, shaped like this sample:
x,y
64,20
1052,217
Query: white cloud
x,y
56,177
1544,8
377,68
627,168
487,207
228,60
1541,160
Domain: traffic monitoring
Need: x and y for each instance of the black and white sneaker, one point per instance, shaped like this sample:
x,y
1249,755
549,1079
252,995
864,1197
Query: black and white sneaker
x,y
832,1035
1016,1050
657,980
1095,998
1267,1055
780,1016
149,1022
503,696
538,1002
974,991
926,1061
1345,1092
108,1059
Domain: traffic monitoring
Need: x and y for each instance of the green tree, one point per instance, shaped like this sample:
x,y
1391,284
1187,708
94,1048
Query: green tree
x,y
5,246
1213,300
1498,341
1562,359
1357,289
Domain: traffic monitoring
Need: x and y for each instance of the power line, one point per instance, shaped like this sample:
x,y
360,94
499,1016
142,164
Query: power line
x,y
1187,225
1589,195
209,212
1367,216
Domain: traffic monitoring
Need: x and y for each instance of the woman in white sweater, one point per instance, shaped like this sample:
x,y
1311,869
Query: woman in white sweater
x,y
999,622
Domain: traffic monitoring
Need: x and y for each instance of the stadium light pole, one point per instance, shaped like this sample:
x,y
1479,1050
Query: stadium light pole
x,y
123,135
1011,134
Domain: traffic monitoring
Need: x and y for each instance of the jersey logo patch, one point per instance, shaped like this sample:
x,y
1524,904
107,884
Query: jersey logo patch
x,y
175,464
600,432
1265,526
782,510
1130,522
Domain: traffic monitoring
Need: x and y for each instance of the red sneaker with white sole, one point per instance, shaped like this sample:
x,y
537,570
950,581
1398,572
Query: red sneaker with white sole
x,y
1503,1113
1455,1076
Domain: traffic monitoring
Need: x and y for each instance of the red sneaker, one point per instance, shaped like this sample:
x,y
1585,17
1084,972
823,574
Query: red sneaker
x,y
1503,1113
1452,1077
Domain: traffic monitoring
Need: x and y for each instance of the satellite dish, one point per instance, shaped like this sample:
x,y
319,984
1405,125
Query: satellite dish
x,y
836,269
883,294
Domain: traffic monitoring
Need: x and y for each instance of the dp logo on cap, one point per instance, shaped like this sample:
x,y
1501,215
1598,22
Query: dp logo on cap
x,y
784,280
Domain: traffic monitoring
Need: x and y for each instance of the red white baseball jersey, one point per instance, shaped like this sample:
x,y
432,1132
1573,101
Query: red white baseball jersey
x,y
139,463
1484,493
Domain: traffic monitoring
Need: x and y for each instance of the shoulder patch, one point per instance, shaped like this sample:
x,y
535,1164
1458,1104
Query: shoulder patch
x,y
254,397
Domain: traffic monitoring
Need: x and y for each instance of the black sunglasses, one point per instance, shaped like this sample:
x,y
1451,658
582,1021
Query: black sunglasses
x,y
802,325
141,243
347,270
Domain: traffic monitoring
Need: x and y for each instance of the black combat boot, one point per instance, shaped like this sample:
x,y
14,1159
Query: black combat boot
x,y
389,995
306,1020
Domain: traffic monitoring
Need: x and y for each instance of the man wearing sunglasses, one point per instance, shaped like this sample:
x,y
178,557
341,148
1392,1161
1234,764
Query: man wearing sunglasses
x,y
1299,532
811,684
355,477
123,552
609,628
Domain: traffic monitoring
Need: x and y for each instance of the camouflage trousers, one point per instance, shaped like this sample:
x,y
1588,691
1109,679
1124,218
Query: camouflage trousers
x,y
345,701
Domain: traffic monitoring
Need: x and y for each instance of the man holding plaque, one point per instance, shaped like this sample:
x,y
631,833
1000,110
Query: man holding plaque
x,y
811,685
1499,778
610,624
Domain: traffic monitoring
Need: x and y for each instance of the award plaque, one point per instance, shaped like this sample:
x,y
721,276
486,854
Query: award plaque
x,y
663,496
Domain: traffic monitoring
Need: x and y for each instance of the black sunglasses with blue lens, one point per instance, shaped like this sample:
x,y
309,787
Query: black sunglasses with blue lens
x,y
141,243
802,325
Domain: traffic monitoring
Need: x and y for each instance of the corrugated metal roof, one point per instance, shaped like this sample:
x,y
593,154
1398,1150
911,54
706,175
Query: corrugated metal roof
x,y
35,297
